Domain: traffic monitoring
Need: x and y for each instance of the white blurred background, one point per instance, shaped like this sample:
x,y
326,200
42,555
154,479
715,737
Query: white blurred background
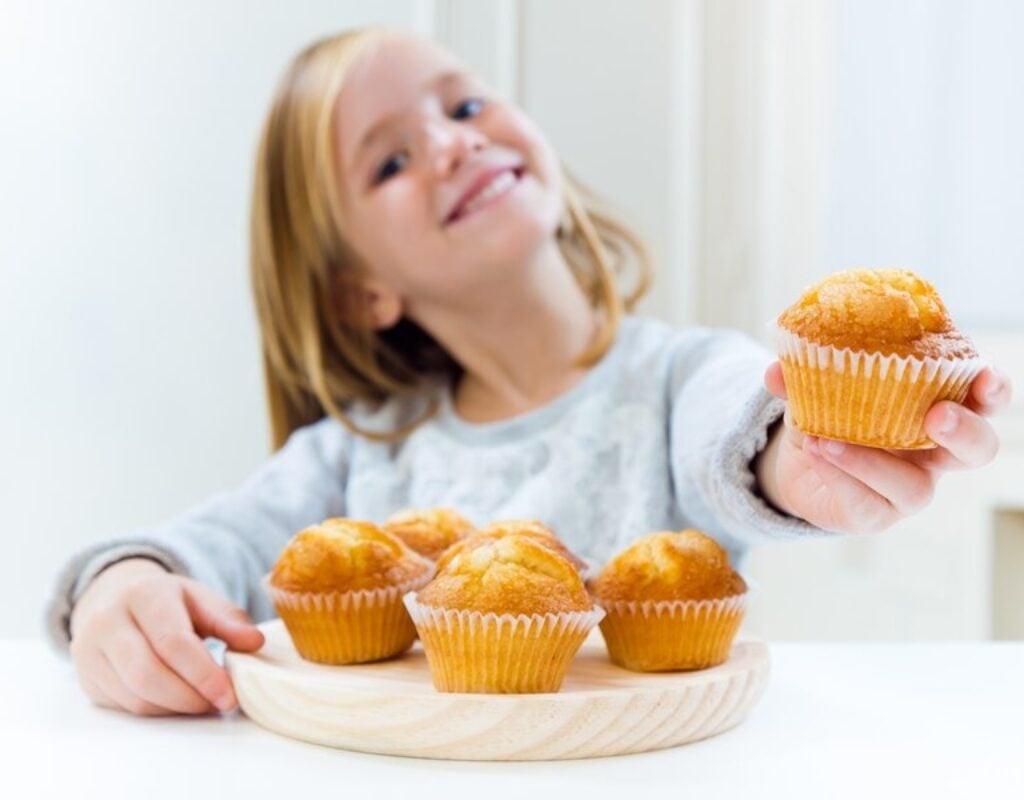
x,y
757,144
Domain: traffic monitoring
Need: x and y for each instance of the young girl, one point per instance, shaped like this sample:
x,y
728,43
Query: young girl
x,y
442,326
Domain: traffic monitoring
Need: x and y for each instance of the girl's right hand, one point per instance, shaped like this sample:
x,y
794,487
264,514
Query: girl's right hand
x,y
136,641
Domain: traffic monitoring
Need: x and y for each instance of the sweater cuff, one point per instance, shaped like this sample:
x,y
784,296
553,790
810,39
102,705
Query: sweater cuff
x,y
83,568
734,486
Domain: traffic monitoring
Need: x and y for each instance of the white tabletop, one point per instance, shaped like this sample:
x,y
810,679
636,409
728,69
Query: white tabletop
x,y
837,720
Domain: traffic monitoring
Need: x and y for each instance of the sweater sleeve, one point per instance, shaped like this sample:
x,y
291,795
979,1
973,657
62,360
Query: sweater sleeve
x,y
720,417
230,541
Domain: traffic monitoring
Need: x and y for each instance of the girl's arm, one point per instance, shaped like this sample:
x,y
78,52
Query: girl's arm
x,y
720,419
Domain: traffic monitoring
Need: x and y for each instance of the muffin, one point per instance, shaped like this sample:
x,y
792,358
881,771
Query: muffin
x,y
338,588
506,616
429,531
865,354
532,529
672,602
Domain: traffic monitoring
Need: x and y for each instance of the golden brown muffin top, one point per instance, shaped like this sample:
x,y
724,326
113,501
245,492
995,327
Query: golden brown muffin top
x,y
687,565
509,575
530,528
892,311
344,555
429,531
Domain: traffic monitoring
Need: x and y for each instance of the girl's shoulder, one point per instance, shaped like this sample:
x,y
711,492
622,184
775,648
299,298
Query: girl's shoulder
x,y
645,339
649,346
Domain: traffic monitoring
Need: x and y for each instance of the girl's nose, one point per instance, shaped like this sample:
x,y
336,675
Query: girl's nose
x,y
449,142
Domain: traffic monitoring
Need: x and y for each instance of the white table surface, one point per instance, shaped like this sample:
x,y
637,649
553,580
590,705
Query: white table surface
x,y
837,720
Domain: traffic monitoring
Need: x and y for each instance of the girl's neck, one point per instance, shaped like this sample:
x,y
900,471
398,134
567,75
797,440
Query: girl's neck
x,y
523,353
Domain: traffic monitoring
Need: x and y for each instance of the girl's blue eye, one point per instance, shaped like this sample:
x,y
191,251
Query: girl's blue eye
x,y
468,108
391,166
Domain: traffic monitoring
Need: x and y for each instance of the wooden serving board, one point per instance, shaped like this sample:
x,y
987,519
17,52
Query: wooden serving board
x,y
391,707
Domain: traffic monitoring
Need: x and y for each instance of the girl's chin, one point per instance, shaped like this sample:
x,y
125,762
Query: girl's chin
x,y
511,240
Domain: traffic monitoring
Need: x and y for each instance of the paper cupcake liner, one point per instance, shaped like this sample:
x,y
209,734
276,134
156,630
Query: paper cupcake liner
x,y
665,635
470,651
347,627
868,398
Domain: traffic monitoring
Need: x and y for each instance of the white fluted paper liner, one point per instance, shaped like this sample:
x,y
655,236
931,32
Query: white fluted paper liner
x,y
347,627
665,635
867,397
472,651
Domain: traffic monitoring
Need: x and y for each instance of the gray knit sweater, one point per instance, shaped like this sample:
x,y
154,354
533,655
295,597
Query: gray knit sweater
x,y
659,435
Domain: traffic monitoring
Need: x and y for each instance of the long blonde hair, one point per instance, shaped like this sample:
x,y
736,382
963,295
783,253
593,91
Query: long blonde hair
x,y
314,362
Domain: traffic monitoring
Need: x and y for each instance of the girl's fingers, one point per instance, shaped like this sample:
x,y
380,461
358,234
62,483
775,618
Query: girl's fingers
x,y
968,437
107,680
97,695
937,459
166,625
147,677
829,497
101,683
907,486
966,440
773,380
215,616
990,392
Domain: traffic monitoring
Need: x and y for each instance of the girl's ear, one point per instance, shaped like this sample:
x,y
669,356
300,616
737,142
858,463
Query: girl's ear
x,y
375,305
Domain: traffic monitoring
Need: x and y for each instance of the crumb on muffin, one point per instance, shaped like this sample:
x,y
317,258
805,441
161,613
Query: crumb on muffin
x,y
511,574
888,310
429,531
687,565
340,555
531,529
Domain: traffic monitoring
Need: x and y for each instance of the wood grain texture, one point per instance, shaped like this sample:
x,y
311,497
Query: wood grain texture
x,y
391,707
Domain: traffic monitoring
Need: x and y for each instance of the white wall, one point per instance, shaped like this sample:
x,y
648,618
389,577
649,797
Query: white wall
x,y
929,116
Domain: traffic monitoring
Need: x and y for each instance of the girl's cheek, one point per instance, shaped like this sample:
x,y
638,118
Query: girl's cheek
x,y
408,203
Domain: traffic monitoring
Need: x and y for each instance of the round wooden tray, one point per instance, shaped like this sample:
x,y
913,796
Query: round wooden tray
x,y
391,707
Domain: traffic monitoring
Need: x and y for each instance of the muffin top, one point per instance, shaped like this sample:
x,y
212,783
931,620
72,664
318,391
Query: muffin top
x,y
341,555
530,528
429,531
512,574
889,310
687,565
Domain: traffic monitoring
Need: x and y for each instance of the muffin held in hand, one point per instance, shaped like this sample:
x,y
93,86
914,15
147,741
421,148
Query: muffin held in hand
x,y
672,602
429,531
531,529
338,588
506,616
865,354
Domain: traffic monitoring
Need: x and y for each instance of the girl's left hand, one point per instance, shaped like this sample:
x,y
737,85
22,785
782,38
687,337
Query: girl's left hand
x,y
846,487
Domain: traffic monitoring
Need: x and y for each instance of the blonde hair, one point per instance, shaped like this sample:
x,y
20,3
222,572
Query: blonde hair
x,y
316,361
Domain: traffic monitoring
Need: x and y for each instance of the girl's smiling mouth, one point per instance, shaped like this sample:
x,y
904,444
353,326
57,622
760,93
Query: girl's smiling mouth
x,y
488,187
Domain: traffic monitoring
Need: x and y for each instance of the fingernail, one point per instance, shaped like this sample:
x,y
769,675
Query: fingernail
x,y
226,701
833,448
995,388
949,422
810,445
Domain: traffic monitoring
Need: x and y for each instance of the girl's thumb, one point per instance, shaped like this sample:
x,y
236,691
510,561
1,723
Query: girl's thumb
x,y
212,615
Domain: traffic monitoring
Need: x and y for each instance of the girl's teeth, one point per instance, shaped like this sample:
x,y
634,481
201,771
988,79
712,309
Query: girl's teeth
x,y
501,183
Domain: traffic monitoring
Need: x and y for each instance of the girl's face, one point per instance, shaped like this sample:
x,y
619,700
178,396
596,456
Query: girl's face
x,y
448,191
